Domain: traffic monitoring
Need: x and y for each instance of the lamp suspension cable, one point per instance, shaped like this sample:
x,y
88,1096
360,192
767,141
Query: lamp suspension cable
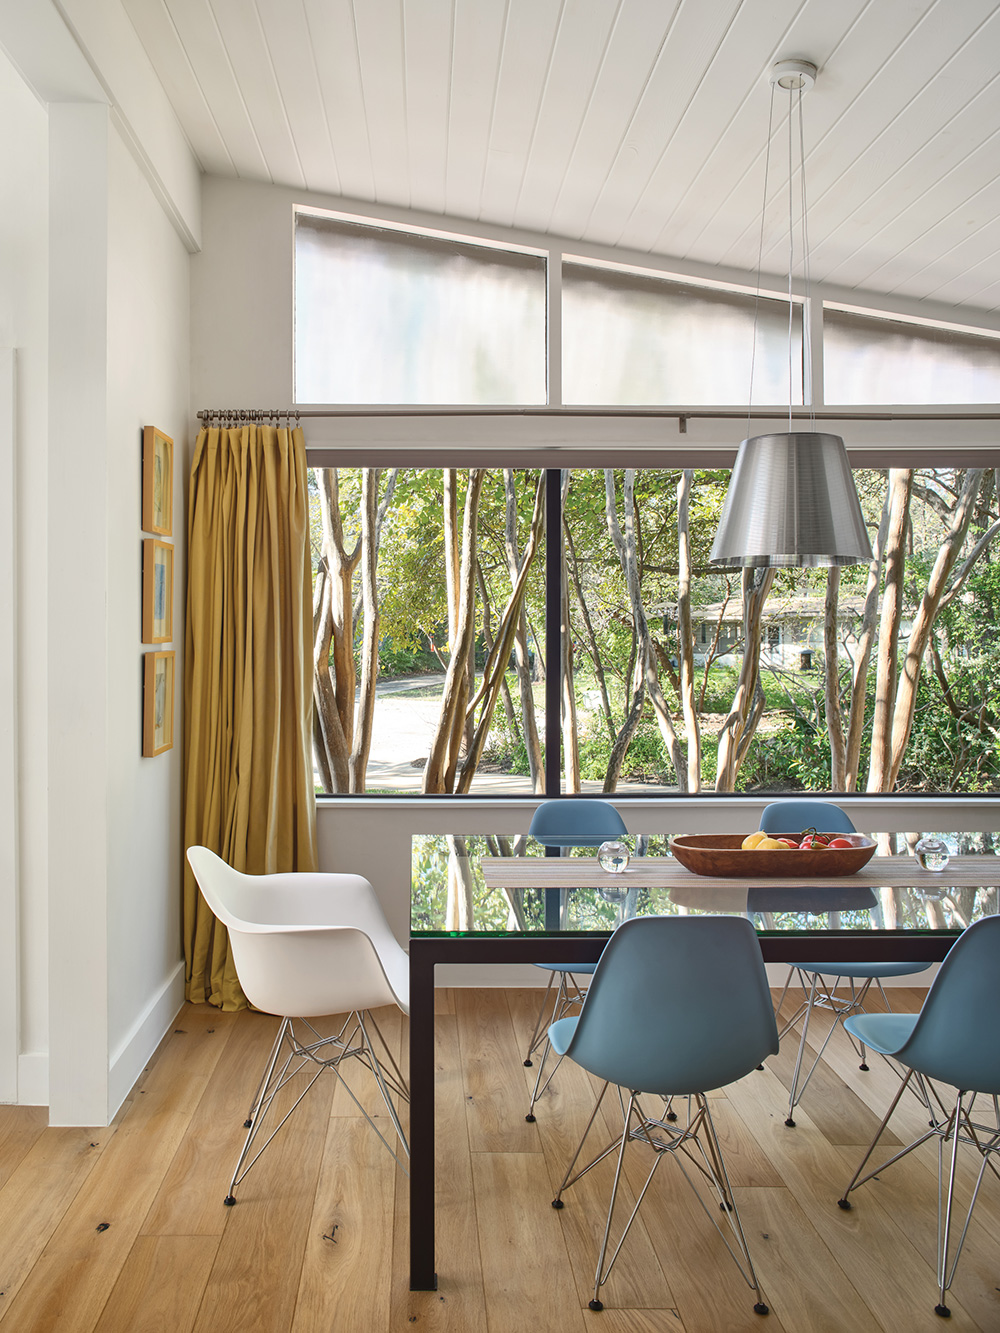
x,y
791,499
760,259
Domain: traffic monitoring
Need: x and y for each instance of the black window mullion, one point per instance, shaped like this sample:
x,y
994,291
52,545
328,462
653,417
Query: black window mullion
x,y
553,632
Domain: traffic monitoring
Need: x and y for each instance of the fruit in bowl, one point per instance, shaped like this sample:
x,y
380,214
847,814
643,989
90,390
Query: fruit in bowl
x,y
738,855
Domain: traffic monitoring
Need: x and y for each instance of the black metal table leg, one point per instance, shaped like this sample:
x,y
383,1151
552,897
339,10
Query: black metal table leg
x,y
422,1274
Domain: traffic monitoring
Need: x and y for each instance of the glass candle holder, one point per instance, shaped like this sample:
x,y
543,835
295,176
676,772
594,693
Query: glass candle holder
x,y
932,853
613,856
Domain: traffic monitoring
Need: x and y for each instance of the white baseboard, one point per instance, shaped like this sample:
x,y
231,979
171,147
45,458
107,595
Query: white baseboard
x,y
132,1055
33,1078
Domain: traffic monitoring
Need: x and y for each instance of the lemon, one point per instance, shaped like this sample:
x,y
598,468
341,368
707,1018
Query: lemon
x,y
752,840
770,845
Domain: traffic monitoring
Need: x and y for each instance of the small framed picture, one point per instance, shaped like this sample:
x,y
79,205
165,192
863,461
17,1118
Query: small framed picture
x,y
157,591
157,703
157,481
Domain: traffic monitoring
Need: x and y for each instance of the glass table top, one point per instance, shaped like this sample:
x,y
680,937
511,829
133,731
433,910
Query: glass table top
x,y
488,884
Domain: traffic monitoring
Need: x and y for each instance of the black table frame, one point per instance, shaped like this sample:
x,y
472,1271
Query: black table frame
x,y
426,951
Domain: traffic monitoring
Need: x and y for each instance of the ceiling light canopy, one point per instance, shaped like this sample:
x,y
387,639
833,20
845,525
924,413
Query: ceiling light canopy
x,y
791,498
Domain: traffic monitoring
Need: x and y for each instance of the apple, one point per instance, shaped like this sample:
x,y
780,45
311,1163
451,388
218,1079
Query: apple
x,y
789,842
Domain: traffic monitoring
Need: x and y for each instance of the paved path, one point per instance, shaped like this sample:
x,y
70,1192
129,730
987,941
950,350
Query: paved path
x,y
401,734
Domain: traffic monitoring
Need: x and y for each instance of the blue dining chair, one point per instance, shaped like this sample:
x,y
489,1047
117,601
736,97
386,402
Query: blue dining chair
x,y
623,1036
955,1039
567,822
819,980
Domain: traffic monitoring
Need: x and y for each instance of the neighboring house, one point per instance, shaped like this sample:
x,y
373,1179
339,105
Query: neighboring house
x,y
791,632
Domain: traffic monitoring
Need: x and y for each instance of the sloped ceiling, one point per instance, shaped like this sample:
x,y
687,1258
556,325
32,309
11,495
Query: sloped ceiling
x,y
632,123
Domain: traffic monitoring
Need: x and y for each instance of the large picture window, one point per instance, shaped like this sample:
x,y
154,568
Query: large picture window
x,y
432,656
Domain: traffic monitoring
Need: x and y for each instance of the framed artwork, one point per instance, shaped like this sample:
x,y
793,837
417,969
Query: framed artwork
x,y
157,481
157,703
157,591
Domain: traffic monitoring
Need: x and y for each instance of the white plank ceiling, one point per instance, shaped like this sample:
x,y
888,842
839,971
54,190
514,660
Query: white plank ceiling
x,y
632,123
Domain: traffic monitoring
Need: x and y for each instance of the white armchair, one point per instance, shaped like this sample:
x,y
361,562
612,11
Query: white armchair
x,y
307,945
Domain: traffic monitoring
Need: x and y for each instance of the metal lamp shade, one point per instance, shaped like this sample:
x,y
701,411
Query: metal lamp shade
x,y
791,501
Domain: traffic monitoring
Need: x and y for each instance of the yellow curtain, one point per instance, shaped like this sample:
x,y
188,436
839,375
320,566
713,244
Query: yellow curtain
x,y
249,792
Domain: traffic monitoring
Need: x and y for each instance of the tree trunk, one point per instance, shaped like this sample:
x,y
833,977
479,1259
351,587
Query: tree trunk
x,y
458,907
630,725
370,636
685,632
626,544
900,488
522,657
442,763
488,642
593,650
747,706
906,695
570,730
334,680
493,670
862,659
831,674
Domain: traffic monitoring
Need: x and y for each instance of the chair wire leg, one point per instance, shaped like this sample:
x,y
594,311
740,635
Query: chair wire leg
x,y
566,1181
268,1068
599,1280
796,1092
944,1230
540,1087
726,1190
377,1070
540,1024
272,1087
857,1179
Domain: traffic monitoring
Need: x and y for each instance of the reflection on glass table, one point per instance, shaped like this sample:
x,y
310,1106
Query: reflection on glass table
x,y
479,883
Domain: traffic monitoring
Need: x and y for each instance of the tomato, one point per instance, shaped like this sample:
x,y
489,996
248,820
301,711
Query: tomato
x,y
812,843
789,842
841,842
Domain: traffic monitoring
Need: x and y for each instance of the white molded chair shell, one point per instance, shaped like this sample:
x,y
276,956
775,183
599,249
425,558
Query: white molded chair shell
x,y
305,943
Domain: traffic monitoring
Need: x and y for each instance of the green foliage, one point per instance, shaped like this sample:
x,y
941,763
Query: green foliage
x,y
955,741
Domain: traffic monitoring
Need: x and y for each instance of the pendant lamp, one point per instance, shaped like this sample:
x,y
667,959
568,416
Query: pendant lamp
x,y
791,498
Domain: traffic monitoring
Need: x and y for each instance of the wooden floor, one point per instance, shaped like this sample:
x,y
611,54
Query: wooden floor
x,y
123,1230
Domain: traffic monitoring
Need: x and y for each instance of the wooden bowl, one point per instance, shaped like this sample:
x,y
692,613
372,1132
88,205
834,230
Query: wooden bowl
x,y
721,854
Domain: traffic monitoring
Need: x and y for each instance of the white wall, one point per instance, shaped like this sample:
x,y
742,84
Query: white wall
x,y
94,297
118,358
148,373
24,327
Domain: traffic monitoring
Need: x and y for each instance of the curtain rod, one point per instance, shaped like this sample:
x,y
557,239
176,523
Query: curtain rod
x,y
682,415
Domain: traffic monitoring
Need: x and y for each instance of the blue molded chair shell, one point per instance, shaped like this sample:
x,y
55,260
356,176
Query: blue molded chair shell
x,y
631,1033
793,817
955,1039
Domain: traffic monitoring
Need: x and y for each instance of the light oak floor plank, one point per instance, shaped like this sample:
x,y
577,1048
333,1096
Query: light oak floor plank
x,y
161,1285
174,1259
527,1277
458,1306
495,1100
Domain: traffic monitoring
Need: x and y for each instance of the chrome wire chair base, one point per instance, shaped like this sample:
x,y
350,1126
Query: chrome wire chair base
x,y
569,998
818,996
694,1146
310,1054
950,1128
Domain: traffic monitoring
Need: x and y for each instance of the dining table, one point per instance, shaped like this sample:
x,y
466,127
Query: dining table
x,y
470,904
